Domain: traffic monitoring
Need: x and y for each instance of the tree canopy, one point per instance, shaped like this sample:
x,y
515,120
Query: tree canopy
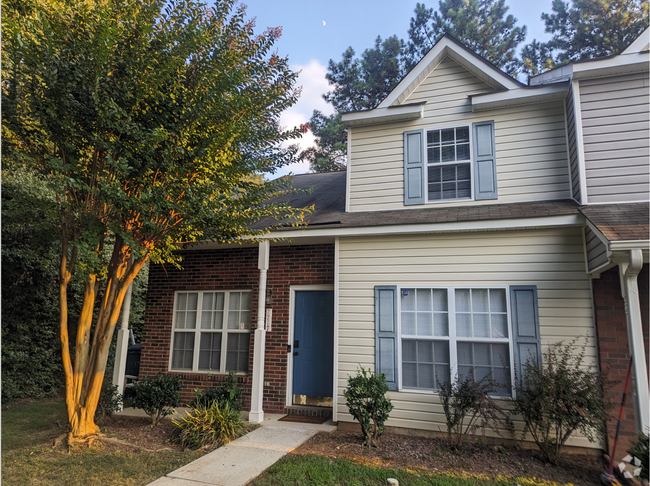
x,y
145,119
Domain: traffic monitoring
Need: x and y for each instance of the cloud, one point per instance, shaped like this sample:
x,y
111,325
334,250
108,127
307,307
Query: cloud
x,y
314,85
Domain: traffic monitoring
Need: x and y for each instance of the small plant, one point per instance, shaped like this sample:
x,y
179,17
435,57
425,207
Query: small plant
x,y
208,426
157,395
366,400
110,401
469,408
562,396
228,392
640,449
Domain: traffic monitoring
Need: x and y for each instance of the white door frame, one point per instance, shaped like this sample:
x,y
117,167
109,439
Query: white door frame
x,y
292,311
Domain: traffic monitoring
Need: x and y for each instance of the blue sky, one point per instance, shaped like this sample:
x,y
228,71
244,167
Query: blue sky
x,y
315,31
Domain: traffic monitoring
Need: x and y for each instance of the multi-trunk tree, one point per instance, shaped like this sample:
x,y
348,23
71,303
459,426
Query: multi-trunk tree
x,y
147,119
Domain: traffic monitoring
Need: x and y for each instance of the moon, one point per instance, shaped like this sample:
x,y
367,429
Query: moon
x,y
323,23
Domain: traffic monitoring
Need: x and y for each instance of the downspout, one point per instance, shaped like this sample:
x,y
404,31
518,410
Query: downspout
x,y
257,392
122,345
628,274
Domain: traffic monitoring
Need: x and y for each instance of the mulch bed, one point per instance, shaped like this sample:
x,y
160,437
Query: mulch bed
x,y
435,455
139,432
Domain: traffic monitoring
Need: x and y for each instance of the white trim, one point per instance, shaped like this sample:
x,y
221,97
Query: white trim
x,y
520,96
292,311
623,245
447,46
383,115
640,43
485,225
348,172
604,203
568,152
580,147
336,329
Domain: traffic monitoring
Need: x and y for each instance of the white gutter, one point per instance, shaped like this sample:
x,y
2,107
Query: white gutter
x,y
257,391
384,115
629,245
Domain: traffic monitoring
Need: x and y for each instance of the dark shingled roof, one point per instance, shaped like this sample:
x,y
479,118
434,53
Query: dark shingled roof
x,y
328,196
618,222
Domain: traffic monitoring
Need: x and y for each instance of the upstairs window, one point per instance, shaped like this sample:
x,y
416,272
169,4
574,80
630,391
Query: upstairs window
x,y
447,178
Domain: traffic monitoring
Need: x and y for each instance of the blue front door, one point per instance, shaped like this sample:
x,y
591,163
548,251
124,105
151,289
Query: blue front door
x,y
313,344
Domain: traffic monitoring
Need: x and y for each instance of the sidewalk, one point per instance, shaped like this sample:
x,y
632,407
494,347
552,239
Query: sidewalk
x,y
237,463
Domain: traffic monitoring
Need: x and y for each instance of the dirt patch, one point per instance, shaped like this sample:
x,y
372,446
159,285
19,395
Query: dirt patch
x,y
434,454
139,432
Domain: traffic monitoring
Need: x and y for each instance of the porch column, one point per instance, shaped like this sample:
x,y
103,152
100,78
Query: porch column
x,y
122,346
628,273
257,392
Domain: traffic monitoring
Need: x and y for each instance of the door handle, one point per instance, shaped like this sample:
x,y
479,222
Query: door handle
x,y
295,353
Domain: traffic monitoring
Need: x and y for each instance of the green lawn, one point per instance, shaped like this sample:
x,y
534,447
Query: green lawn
x,y
27,458
294,470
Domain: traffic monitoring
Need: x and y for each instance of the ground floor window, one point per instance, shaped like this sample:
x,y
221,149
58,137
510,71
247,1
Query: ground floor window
x,y
211,331
447,332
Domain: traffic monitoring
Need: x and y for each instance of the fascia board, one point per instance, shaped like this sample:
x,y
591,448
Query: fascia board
x,y
383,115
619,65
521,96
624,245
486,225
640,43
447,46
562,73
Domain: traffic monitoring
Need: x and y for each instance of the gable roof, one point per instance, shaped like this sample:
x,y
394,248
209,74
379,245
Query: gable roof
x,y
620,222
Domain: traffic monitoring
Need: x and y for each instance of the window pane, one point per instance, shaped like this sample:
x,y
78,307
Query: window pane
x,y
462,151
480,300
462,134
418,358
442,374
206,319
192,300
233,302
410,375
463,303
408,300
208,301
425,324
481,325
482,354
408,350
237,355
463,172
486,360
210,353
182,301
246,301
499,326
190,320
465,356
464,325
440,300
500,355
245,318
447,135
440,324
426,376
183,351
425,351
449,190
441,352
233,319
464,189
433,155
423,297
435,192
497,300
180,320
448,173
408,323
448,153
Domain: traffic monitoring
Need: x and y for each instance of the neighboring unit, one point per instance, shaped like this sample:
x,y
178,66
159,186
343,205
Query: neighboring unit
x,y
479,221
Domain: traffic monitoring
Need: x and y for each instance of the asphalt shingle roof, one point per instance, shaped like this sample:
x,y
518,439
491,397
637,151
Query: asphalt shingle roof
x,y
617,222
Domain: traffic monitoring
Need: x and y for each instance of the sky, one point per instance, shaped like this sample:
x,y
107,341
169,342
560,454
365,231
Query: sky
x,y
315,31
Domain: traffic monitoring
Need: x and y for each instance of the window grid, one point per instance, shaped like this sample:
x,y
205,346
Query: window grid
x,y
446,178
210,349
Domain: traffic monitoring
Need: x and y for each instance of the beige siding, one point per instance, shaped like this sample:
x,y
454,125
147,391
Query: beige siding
x,y
616,138
551,259
530,145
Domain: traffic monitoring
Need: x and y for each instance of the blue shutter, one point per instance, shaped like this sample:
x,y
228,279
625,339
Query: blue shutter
x,y
525,326
386,333
414,176
485,162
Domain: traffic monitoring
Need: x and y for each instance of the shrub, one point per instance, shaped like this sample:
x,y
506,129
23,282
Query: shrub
x,y
208,426
561,397
110,401
469,408
366,400
157,395
640,449
228,393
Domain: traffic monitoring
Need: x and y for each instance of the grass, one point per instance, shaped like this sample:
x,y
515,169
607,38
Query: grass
x,y
295,470
27,457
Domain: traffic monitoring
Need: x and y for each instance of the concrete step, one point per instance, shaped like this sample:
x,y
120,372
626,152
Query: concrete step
x,y
307,411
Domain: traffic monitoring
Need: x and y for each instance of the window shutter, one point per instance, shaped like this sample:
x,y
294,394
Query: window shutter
x,y
485,164
414,168
386,333
525,325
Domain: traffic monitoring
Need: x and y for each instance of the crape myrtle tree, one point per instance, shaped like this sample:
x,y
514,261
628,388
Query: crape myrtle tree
x,y
145,118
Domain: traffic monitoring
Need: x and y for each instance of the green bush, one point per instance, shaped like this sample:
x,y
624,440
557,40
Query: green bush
x,y
366,400
208,426
469,408
157,395
641,450
228,393
110,402
562,396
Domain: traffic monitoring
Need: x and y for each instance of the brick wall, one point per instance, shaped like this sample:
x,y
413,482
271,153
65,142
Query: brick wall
x,y
233,269
614,352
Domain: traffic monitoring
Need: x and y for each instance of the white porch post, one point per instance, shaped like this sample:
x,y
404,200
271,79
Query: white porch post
x,y
628,273
122,347
257,393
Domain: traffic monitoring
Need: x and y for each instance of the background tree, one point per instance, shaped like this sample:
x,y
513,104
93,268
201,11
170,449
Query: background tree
x,y
144,120
586,29
330,152
481,25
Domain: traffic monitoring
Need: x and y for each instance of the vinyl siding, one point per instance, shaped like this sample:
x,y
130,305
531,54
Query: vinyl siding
x,y
552,259
573,145
530,145
616,135
596,250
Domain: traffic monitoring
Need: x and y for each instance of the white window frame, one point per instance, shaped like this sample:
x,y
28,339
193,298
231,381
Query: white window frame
x,y
470,161
452,339
224,331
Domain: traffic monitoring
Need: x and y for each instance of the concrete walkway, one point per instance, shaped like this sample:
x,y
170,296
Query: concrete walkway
x,y
244,459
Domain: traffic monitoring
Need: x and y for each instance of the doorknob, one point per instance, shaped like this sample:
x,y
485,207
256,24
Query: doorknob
x,y
295,353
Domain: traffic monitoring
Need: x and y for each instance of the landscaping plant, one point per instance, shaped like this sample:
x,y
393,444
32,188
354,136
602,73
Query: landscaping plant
x,y
641,450
469,408
366,400
110,401
208,426
562,396
228,393
157,395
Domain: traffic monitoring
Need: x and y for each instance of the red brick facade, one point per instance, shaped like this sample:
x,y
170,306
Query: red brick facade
x,y
234,269
613,346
